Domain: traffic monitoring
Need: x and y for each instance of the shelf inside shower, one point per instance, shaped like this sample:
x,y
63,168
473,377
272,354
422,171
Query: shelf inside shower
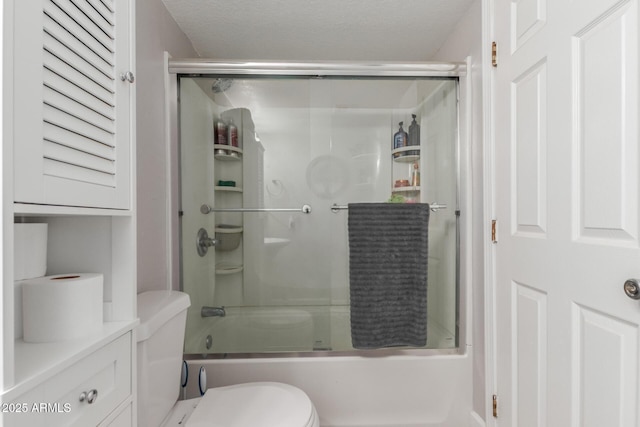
x,y
229,189
227,152
409,189
407,154
228,237
223,268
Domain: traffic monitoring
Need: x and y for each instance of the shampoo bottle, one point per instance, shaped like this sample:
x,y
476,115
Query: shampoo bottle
x,y
414,135
233,134
400,139
220,132
414,131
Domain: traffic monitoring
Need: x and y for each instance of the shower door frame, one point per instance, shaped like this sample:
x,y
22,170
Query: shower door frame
x,y
197,67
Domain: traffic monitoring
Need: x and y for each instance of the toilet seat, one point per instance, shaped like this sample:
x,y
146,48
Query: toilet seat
x,y
261,404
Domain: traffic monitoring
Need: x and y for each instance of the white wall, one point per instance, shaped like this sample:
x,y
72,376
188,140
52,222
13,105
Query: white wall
x,y
156,33
466,40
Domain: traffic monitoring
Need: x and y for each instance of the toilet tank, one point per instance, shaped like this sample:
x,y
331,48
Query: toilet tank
x,y
160,335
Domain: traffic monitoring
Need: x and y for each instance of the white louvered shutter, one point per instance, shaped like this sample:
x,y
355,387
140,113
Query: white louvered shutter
x,y
72,112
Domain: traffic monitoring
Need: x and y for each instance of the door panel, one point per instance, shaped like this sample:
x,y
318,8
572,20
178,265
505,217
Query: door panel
x,y
530,342
566,129
529,112
605,128
604,369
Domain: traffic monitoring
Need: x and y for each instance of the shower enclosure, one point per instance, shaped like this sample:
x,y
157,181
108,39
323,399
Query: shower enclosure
x,y
269,163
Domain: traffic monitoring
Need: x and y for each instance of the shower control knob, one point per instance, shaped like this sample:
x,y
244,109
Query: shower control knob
x,y
128,77
632,288
204,242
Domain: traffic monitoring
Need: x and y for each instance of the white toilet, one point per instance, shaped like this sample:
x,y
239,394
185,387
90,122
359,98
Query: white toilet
x,y
163,317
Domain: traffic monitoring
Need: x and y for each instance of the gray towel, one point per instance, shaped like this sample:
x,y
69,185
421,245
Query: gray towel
x,y
388,246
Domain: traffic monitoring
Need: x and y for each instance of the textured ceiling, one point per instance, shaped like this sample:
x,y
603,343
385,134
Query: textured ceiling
x,y
356,30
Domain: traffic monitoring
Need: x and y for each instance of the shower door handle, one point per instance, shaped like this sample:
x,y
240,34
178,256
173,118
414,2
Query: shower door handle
x,y
632,288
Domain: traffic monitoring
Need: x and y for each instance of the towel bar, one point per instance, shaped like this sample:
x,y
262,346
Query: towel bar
x,y
434,207
205,209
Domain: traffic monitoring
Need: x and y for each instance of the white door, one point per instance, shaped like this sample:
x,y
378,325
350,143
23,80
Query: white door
x,y
567,186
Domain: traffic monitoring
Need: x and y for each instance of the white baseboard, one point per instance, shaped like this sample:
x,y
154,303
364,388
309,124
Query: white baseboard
x,y
475,420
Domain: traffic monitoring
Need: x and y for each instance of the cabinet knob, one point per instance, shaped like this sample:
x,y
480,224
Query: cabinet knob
x,y
92,396
128,76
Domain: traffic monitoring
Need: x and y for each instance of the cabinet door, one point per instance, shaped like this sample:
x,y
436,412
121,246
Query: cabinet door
x,y
72,110
85,394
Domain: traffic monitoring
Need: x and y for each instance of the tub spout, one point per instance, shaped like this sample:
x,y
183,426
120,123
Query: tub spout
x,y
212,312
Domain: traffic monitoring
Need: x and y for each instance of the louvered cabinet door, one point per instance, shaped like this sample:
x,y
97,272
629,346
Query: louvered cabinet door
x,y
72,102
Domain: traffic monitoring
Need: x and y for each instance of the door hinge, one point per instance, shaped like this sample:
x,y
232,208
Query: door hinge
x,y
494,231
494,54
495,406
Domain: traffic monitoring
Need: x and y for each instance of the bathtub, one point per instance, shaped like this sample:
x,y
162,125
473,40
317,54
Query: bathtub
x,y
364,391
383,388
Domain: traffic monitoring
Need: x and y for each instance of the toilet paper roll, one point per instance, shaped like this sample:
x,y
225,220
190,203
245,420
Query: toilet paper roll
x,y
29,250
62,307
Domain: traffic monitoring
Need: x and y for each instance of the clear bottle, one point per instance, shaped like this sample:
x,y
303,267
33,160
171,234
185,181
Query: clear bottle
x,y
415,175
400,139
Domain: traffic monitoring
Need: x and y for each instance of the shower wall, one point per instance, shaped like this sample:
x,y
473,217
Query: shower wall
x,y
337,149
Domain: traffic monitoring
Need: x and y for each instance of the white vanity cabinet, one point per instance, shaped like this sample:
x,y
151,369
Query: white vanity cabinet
x,y
72,92
84,394
68,126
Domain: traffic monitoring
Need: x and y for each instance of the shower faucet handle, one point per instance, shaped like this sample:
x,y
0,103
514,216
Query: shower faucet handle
x,y
204,242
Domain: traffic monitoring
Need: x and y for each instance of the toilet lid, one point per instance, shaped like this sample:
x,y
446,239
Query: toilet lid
x,y
264,404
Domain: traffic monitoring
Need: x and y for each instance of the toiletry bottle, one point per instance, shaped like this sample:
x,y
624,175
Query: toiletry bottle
x,y
233,134
400,139
414,135
415,175
219,132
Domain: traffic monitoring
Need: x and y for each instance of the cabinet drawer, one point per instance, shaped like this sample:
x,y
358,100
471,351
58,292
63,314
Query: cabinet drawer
x,y
123,419
56,402
88,391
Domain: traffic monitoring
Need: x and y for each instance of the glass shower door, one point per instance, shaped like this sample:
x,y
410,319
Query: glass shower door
x,y
284,287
